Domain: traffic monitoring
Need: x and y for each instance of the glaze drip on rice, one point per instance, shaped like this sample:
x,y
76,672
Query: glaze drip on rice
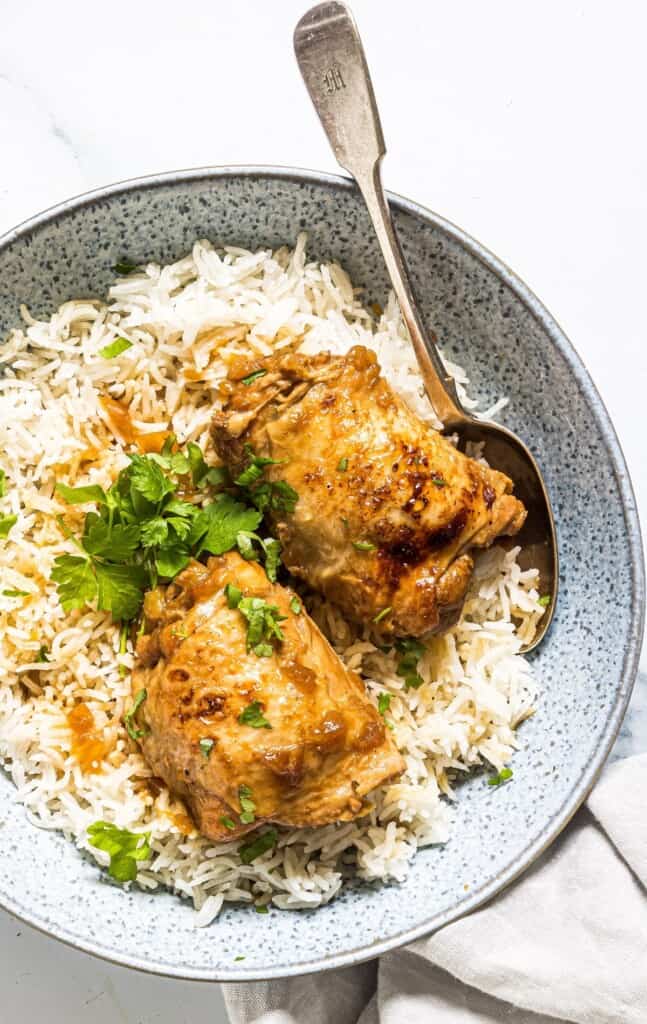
x,y
188,323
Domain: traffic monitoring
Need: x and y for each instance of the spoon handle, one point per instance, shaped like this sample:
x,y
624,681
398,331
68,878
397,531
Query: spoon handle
x,y
330,55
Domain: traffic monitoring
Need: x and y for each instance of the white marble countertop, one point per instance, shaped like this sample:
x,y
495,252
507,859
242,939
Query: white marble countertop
x,y
522,124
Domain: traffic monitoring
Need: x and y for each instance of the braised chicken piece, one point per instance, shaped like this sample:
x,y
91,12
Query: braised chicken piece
x,y
388,509
247,727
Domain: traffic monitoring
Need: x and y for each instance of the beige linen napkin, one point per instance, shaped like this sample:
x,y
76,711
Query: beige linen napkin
x,y
568,942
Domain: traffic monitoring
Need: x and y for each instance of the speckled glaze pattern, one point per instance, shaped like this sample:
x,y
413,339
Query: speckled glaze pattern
x,y
494,326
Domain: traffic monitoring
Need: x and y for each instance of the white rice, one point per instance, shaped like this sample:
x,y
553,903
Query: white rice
x,y
187,321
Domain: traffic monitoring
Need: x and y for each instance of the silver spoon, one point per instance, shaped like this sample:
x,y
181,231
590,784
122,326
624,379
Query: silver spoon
x,y
331,58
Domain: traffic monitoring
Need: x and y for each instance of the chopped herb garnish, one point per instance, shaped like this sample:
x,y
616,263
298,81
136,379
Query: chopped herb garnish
x,y
6,522
272,550
544,601
129,718
410,651
115,348
228,823
239,958
295,606
124,267
275,496
438,480
233,595
206,746
2,483
125,848
251,377
342,465
253,715
364,545
261,908
383,614
180,632
266,841
247,805
15,593
262,624
503,776
43,654
383,703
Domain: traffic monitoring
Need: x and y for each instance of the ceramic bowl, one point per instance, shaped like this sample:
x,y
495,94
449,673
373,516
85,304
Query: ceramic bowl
x,y
498,330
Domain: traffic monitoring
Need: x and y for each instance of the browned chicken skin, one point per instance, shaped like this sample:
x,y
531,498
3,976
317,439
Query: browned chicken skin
x,y
327,746
388,508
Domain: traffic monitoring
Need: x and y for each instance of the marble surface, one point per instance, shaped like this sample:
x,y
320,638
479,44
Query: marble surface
x,y
497,118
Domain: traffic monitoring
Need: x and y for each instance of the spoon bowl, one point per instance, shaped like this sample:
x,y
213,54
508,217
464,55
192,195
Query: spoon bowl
x,y
331,58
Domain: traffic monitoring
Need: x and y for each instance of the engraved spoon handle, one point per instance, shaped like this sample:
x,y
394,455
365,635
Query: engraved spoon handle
x,y
330,55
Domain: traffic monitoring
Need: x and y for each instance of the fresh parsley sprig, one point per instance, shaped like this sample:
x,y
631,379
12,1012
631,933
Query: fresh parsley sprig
x,y
263,629
142,531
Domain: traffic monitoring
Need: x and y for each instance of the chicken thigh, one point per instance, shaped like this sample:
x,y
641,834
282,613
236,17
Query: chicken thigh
x,y
388,509
252,723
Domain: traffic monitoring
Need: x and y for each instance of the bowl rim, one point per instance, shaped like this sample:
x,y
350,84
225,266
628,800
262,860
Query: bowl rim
x,y
361,953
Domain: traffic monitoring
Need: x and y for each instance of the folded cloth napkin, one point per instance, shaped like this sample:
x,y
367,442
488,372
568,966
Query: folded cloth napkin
x,y
568,942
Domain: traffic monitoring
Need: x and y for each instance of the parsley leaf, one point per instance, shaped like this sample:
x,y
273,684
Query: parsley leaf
x,y
3,485
153,532
342,465
364,545
197,465
228,823
115,348
217,476
81,495
544,601
247,805
233,595
125,848
42,655
114,542
410,651
251,377
438,479
295,606
75,580
262,624
500,778
148,480
266,841
272,550
253,716
120,589
206,746
277,495
133,731
171,559
383,703
124,267
261,908
217,526
6,522
383,614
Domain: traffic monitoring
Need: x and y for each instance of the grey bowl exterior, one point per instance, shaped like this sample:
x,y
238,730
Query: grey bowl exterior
x,y
493,324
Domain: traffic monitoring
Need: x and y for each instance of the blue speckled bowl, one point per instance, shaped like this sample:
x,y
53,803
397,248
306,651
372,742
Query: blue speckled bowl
x,y
496,328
